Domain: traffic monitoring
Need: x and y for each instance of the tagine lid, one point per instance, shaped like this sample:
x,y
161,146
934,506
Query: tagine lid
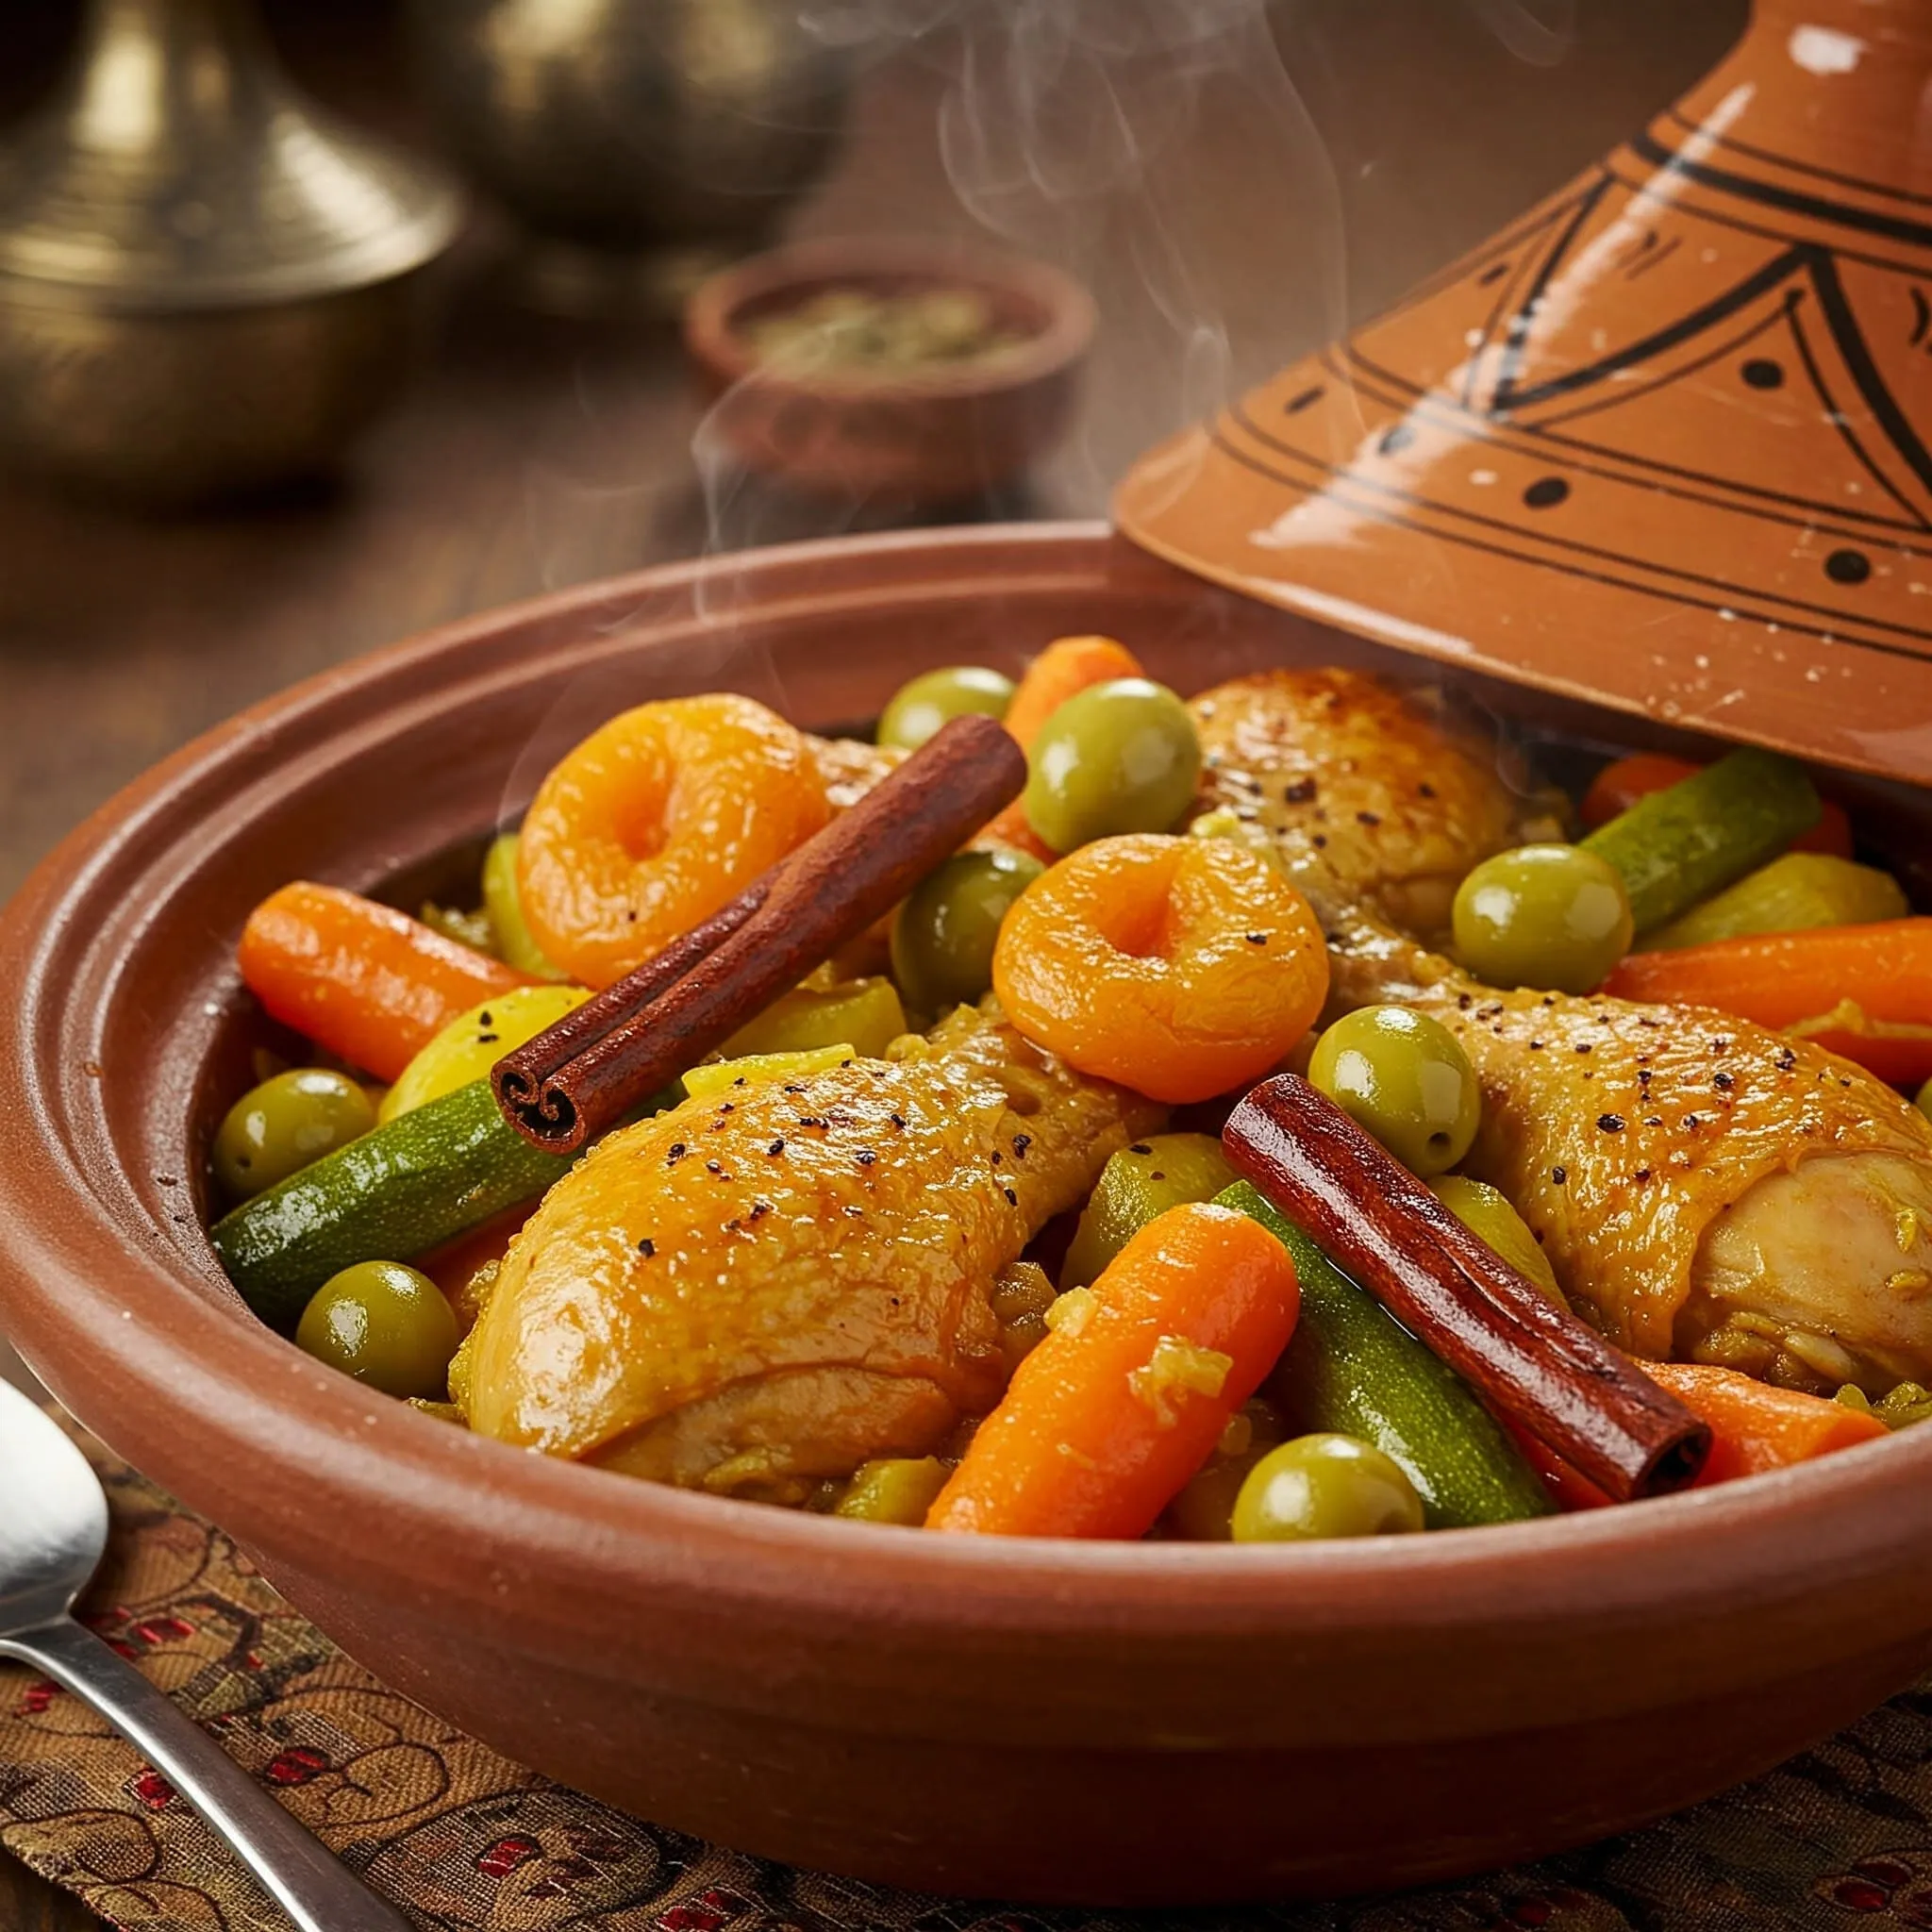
x,y
1664,443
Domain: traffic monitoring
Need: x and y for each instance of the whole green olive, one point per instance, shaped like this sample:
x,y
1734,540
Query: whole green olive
x,y
384,1324
1119,756
284,1123
918,708
944,936
1402,1076
1554,917
1324,1486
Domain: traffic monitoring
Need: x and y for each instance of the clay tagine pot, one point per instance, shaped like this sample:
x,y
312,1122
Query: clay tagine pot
x,y
1099,1723
1665,442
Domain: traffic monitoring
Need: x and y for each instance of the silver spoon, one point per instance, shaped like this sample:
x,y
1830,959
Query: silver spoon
x,y
53,1528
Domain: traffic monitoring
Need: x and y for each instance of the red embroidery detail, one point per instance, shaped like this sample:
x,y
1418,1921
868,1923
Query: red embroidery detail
x,y
1861,1895
1890,1873
1533,1911
296,1766
164,1630
38,1696
151,1788
711,1909
505,1855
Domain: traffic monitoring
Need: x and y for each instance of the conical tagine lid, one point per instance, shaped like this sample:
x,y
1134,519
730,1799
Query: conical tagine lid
x,y
1665,443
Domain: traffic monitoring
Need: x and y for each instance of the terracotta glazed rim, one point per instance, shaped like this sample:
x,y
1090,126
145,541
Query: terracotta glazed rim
x,y
713,315
88,1276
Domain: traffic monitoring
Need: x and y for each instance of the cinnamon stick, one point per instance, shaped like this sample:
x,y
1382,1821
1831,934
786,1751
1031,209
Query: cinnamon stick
x,y
1527,1357
520,1079
584,1073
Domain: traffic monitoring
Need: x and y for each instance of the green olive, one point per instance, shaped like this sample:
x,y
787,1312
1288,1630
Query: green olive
x,y
1119,756
1554,917
1924,1100
918,708
284,1123
1324,1486
384,1324
942,938
1401,1075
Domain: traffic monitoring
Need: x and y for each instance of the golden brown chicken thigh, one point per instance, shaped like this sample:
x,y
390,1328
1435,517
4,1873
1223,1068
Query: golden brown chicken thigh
x,y
1707,1187
1703,1187
1398,799
751,1291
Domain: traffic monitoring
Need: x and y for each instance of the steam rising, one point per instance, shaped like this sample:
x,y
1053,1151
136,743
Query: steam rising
x,y
1160,150
1142,144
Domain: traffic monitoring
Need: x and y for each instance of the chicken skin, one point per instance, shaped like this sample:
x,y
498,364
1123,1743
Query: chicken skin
x,y
1703,1187
1398,800
750,1292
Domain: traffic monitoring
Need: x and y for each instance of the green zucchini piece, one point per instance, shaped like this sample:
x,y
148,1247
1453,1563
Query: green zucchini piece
x,y
424,1178
1686,842
1354,1369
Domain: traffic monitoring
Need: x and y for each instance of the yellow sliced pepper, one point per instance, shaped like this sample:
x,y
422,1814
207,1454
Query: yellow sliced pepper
x,y
473,1042
863,1014
758,1069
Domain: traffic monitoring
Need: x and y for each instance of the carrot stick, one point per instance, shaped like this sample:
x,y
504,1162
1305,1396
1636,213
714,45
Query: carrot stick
x,y
1109,1416
1064,669
362,980
1755,1427
1752,1427
1864,992
1619,786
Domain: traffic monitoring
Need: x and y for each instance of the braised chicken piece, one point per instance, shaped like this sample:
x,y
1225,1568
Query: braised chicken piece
x,y
754,1291
1398,799
1705,1188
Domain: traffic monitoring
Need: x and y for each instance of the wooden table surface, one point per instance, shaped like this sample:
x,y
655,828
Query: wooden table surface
x,y
535,452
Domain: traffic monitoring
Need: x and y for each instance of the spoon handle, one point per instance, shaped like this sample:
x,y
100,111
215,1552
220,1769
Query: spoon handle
x,y
304,1876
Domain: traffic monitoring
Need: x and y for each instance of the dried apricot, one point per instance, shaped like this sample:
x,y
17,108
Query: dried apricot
x,y
655,822
1179,967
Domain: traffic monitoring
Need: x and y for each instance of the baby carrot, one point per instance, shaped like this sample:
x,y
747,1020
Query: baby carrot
x,y
1862,990
1755,1427
1619,786
1065,668
362,980
1108,1417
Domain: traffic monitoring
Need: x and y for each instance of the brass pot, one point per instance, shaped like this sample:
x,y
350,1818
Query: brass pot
x,y
632,123
206,285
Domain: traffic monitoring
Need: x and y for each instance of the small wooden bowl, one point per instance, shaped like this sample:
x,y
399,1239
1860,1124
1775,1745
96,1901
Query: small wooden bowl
x,y
1161,1724
932,436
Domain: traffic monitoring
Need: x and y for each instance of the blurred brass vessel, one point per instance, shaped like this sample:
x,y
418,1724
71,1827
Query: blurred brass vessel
x,y
205,284
629,124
